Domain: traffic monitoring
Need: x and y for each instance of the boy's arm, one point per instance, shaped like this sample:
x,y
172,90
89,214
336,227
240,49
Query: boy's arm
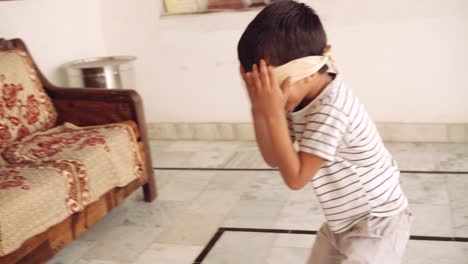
x,y
261,131
263,138
297,168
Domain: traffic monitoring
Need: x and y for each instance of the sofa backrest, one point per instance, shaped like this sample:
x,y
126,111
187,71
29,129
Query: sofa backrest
x,y
24,105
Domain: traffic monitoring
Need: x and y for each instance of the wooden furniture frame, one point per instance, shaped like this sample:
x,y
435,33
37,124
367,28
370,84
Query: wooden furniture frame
x,y
86,107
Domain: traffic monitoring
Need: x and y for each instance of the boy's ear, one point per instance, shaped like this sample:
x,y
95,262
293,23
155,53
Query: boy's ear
x,y
241,69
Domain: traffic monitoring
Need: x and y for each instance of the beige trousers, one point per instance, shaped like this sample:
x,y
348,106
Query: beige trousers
x,y
375,241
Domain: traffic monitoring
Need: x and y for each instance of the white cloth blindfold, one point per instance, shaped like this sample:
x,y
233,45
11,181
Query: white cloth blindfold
x,y
304,67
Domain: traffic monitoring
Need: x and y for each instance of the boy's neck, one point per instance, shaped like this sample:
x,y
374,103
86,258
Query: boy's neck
x,y
318,84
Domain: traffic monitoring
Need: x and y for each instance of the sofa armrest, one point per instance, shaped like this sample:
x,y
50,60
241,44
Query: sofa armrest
x,y
98,106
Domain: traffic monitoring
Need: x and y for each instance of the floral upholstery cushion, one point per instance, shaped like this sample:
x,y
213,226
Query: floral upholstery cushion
x,y
34,197
103,157
24,106
2,161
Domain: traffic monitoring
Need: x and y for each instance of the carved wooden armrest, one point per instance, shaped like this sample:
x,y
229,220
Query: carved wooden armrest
x,y
97,106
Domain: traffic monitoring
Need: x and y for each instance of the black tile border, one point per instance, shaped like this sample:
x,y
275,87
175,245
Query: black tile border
x,y
212,169
209,246
222,230
271,169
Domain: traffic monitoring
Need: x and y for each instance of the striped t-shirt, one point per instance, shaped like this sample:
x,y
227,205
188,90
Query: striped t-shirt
x,y
359,178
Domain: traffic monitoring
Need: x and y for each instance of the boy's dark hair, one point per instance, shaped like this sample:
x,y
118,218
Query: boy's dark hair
x,y
283,31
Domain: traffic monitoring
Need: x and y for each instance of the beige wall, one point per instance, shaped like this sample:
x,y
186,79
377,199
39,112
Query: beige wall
x,y
132,29
405,60
56,31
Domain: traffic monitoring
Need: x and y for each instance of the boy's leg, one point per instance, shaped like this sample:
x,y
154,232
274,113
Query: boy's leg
x,y
324,251
381,240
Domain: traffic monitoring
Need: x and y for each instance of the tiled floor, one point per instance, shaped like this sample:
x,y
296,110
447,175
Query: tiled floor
x,y
254,247
193,204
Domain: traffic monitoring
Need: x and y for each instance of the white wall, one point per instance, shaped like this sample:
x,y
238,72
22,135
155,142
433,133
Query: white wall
x,y
55,31
131,28
405,59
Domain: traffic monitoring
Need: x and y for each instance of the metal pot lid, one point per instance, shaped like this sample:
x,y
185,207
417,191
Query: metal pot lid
x,y
98,62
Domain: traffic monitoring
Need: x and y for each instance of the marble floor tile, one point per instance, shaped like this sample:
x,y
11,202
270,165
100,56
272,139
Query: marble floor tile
x,y
160,145
72,253
429,157
458,188
246,155
191,229
96,261
237,247
171,159
254,214
266,185
122,244
232,181
217,202
206,146
257,208
302,211
198,154
158,214
458,193
209,159
163,177
169,254
431,220
281,255
250,221
247,146
301,215
185,185
246,159
436,252
460,219
425,188
294,241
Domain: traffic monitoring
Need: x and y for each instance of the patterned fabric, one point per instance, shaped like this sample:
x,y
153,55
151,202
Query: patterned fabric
x,y
103,157
34,197
2,161
24,106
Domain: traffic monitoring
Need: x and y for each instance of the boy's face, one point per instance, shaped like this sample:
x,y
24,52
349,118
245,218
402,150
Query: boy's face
x,y
296,95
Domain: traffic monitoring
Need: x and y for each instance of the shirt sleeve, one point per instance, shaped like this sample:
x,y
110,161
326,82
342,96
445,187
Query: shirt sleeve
x,y
323,132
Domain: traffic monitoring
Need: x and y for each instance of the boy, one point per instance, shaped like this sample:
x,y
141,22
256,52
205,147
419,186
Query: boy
x,y
340,151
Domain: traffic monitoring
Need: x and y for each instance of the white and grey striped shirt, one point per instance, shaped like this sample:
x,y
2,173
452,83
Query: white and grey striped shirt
x,y
359,178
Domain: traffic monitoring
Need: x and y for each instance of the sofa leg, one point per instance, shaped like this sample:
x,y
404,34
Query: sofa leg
x,y
149,188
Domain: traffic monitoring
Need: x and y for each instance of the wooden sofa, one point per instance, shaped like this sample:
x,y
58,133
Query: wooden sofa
x,y
82,107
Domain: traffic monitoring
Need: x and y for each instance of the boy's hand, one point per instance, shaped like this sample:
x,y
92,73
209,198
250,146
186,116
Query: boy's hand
x,y
265,93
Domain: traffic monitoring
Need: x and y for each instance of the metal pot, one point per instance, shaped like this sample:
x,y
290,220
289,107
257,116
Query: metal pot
x,y
101,72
